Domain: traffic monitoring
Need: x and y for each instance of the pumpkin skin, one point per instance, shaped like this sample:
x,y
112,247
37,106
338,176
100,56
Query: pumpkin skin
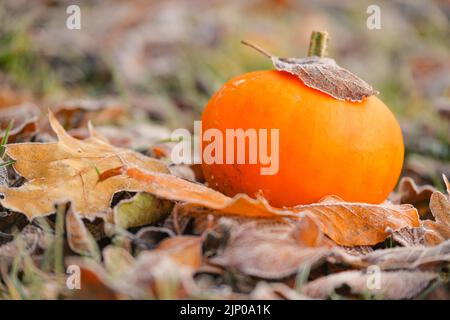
x,y
326,146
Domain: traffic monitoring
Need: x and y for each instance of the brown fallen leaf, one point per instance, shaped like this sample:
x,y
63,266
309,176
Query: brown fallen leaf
x,y
78,112
410,258
440,207
438,230
418,196
184,250
24,118
352,224
71,170
392,285
78,237
410,237
270,250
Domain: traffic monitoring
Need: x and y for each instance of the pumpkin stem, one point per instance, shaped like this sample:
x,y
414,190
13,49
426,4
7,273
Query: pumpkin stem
x,y
318,46
257,48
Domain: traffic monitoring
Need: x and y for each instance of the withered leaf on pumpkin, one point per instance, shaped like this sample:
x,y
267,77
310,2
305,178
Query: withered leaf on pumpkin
x,y
323,74
70,170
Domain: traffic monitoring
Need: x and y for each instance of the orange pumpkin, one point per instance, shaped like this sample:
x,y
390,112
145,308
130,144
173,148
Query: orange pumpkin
x,y
326,146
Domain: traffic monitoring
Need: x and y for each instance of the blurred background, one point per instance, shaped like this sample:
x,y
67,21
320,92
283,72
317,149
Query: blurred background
x,y
156,63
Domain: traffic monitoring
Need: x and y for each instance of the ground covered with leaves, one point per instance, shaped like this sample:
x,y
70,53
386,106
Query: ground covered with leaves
x,y
106,198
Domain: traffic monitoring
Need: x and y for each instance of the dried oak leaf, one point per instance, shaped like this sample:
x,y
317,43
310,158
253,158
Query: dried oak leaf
x,y
392,285
438,230
71,170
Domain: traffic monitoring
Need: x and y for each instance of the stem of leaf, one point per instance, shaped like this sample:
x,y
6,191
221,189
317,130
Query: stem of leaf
x,y
257,48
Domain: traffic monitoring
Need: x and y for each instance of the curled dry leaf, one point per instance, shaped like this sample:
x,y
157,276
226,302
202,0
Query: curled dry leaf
x,y
391,285
410,237
77,113
79,238
418,196
24,118
71,170
440,207
438,230
430,232
271,250
140,210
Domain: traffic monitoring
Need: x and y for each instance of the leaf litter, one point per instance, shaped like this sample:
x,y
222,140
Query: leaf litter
x,y
233,248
